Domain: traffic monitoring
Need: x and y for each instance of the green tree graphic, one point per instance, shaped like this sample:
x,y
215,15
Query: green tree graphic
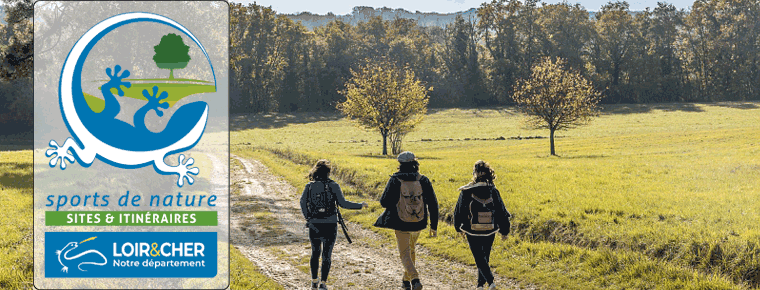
x,y
171,53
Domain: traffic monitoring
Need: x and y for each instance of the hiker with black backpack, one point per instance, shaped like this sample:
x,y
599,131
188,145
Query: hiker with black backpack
x,y
318,205
479,214
408,200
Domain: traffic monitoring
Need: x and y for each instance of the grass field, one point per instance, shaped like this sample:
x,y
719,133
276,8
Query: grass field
x,y
176,92
16,183
647,196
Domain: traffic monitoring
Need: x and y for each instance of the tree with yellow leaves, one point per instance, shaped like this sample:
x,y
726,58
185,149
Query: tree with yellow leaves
x,y
556,98
382,96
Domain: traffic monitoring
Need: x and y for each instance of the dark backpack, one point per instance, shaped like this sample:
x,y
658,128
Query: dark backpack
x,y
481,214
410,207
321,201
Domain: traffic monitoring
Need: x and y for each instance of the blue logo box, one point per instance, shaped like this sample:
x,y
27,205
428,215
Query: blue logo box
x,y
130,254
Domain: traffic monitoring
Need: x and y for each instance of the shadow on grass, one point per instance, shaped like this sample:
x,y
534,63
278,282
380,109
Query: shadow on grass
x,y
240,122
647,108
590,156
478,111
11,178
11,140
735,105
393,157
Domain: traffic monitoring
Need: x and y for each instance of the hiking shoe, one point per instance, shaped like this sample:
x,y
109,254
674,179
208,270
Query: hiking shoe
x,y
314,284
416,285
322,286
492,286
407,285
480,288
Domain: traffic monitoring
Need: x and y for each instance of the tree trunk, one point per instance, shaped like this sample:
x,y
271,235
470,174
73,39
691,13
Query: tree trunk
x,y
551,141
385,143
171,74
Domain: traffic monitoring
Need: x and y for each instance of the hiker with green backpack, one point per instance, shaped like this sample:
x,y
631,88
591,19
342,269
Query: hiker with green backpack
x,y
479,214
409,199
318,205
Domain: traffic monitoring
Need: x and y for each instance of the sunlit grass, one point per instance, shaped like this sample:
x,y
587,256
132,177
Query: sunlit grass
x,y
245,275
666,191
16,219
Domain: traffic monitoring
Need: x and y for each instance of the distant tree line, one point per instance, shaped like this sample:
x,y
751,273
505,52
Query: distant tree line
x,y
710,53
16,63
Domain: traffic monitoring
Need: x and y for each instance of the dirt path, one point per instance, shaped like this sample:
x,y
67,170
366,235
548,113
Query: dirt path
x,y
267,226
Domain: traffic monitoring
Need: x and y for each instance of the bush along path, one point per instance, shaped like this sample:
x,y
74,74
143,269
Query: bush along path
x,y
268,228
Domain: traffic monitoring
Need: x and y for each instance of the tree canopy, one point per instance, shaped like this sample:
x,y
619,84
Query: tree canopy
x,y
556,98
382,96
171,53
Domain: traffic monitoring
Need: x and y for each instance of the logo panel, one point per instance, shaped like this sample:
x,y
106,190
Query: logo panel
x,y
130,255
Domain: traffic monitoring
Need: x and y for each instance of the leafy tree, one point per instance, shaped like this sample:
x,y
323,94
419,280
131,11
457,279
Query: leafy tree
x,y
614,46
295,48
382,96
498,30
17,43
720,43
16,63
171,53
568,32
556,98
658,74
463,76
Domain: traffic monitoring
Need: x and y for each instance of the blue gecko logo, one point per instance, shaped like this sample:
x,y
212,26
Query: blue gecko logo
x,y
118,143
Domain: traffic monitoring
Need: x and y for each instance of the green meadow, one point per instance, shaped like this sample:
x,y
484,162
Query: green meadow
x,y
659,196
177,89
16,186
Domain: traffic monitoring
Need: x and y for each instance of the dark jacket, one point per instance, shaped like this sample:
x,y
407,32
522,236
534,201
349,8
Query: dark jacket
x,y
341,201
481,190
391,194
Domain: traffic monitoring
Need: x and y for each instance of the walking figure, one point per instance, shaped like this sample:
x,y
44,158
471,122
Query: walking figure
x,y
408,200
318,205
479,214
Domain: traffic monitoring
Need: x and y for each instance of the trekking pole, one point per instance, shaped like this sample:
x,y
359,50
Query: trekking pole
x,y
343,225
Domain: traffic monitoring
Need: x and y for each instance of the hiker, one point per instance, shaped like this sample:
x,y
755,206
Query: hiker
x,y
318,204
408,200
479,214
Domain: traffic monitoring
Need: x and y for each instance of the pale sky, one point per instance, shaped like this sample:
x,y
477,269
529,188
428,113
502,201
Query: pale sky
x,y
341,7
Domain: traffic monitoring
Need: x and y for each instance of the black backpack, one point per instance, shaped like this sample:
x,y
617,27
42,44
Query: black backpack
x,y
321,201
481,214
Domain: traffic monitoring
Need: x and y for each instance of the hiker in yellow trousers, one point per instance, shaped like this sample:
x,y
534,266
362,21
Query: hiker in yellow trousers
x,y
409,200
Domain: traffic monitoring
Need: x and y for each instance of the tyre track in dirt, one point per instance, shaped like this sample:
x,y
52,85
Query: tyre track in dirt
x,y
266,224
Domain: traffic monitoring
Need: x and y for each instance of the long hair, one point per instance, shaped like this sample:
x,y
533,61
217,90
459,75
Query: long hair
x,y
409,167
320,171
482,172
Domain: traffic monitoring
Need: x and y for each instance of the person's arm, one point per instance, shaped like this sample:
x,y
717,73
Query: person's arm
x,y
431,201
502,218
342,202
304,196
390,194
458,211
